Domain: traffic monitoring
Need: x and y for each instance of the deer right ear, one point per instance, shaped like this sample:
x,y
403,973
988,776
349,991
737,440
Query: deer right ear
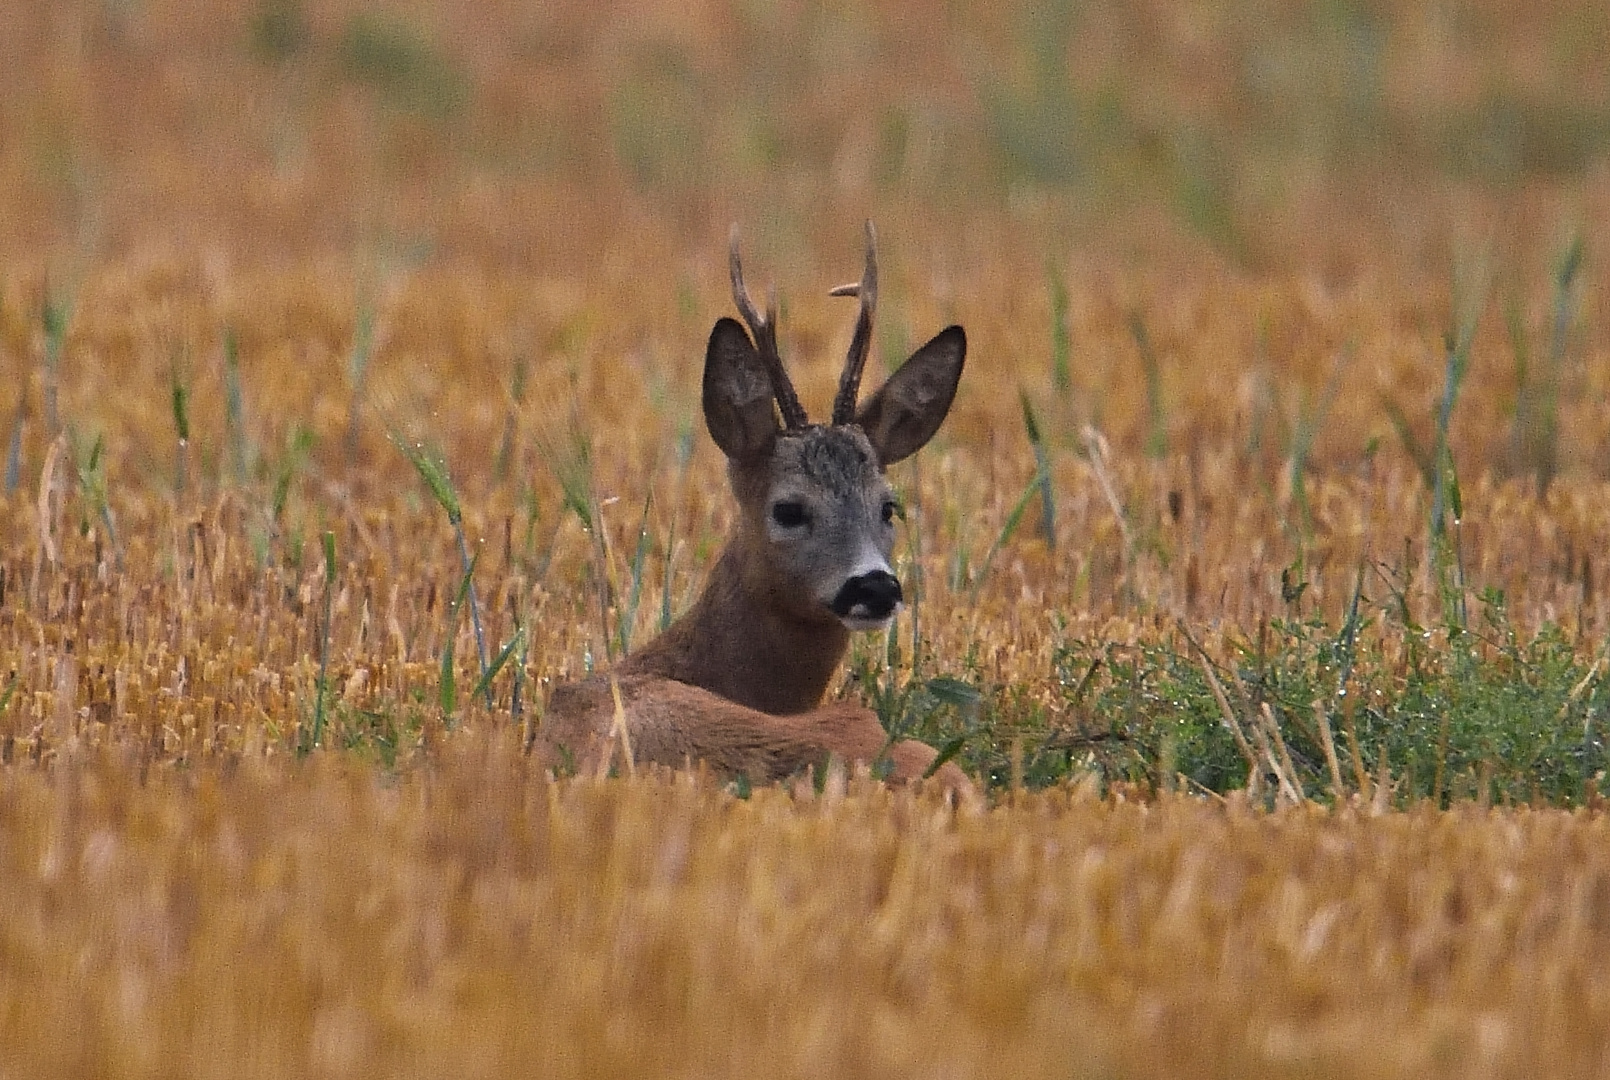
x,y
738,399
908,409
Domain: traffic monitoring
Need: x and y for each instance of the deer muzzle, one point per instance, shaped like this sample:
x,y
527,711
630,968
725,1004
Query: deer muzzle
x,y
868,600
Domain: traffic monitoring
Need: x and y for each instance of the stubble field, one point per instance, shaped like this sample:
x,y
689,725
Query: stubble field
x,y
1257,575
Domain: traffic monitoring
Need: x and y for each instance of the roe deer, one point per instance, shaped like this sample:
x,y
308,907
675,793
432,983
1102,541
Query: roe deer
x,y
737,682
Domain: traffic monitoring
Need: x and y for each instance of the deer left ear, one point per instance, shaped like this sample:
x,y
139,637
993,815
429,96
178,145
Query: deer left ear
x,y
906,411
737,395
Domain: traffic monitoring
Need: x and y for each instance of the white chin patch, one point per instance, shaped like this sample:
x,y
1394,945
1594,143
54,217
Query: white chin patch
x,y
866,622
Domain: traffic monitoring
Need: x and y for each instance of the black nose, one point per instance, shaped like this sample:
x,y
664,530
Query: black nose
x,y
868,596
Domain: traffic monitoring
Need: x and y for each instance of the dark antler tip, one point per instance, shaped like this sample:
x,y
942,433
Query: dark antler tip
x,y
844,403
764,329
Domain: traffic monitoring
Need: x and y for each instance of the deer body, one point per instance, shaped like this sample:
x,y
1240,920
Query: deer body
x,y
738,681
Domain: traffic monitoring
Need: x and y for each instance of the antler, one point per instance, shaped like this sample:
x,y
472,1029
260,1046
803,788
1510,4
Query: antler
x,y
867,289
765,331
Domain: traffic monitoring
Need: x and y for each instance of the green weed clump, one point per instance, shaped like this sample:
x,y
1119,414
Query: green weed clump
x,y
1443,715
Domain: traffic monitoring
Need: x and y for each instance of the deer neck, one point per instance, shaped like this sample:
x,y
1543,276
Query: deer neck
x,y
738,642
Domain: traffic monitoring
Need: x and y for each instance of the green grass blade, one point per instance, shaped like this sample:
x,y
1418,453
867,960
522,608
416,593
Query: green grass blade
x,y
298,446
447,696
1157,426
484,685
1309,423
92,487
1042,459
570,460
1470,299
665,591
1418,454
181,409
323,685
1350,629
363,339
1536,424
329,557
14,449
433,471
634,592
181,429
1007,529
234,409
949,690
475,604
54,317
946,753
511,421
1565,279
1061,339
517,691
447,692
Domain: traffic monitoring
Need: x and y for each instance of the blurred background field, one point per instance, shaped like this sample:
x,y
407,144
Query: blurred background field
x,y
1281,462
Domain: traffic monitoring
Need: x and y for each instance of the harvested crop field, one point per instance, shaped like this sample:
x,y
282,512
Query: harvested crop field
x,y
352,402
472,917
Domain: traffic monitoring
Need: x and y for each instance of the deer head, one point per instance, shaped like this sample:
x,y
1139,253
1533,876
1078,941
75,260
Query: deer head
x,y
817,514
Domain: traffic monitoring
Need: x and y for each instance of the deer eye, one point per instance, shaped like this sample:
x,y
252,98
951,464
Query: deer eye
x,y
891,510
790,515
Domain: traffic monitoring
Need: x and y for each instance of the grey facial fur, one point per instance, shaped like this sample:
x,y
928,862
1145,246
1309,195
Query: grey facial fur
x,y
824,515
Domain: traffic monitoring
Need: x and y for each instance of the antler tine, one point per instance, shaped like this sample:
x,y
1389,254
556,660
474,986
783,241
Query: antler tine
x,y
765,330
867,289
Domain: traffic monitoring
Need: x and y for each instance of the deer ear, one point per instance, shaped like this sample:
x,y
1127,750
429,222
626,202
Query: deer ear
x,y
906,411
738,400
